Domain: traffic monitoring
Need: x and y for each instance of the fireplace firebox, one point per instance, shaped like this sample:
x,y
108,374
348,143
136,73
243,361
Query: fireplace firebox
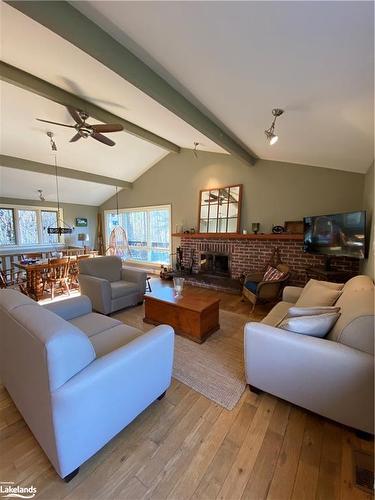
x,y
214,264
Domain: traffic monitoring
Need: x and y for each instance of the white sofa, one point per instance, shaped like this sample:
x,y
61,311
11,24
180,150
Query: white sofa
x,y
109,286
332,376
77,377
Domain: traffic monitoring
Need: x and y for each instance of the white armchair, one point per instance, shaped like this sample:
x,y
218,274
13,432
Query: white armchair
x,y
109,286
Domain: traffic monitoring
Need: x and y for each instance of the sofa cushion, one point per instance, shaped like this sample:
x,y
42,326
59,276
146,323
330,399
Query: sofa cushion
x,y
10,299
108,267
318,295
355,326
329,284
277,313
315,326
294,311
109,340
94,323
252,286
123,288
65,348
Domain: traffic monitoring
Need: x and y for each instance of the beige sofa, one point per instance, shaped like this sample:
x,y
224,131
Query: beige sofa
x,y
332,376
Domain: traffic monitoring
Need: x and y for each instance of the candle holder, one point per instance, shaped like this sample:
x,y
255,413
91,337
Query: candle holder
x,y
255,227
178,284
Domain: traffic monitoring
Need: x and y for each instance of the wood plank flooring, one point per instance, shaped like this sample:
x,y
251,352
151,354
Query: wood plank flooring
x,y
187,447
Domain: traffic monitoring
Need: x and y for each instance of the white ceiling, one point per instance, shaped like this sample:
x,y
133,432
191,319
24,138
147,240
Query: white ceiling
x,y
33,48
25,185
240,59
23,136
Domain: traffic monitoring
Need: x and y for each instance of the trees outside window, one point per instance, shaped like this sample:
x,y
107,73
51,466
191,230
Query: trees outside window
x,y
27,226
148,232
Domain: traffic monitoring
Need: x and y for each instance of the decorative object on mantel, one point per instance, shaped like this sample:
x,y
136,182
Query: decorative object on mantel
x,y
278,229
220,210
255,227
59,230
270,132
294,226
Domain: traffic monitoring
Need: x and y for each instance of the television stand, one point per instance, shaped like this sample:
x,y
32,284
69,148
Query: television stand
x,y
328,274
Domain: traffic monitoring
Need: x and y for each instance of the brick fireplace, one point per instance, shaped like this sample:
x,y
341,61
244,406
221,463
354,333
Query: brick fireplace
x,y
249,253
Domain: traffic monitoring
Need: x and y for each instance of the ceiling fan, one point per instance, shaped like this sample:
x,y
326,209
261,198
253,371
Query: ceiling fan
x,y
85,130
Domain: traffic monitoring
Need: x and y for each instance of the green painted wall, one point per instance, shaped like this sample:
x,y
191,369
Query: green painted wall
x,y
274,192
71,211
368,205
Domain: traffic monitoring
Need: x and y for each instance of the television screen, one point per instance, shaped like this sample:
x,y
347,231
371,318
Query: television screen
x,y
336,235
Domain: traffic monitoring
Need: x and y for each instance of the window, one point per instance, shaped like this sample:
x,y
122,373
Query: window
x,y
27,226
148,232
7,234
48,219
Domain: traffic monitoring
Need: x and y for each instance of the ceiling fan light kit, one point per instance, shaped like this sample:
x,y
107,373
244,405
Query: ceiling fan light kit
x,y
272,138
85,130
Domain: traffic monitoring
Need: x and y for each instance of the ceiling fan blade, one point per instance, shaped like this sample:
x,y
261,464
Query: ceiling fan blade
x,y
107,127
103,139
55,123
74,114
75,138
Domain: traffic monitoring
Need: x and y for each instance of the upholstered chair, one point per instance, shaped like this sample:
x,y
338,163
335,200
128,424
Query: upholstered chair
x,y
109,286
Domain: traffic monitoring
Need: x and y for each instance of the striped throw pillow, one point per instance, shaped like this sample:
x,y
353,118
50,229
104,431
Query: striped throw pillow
x,y
273,274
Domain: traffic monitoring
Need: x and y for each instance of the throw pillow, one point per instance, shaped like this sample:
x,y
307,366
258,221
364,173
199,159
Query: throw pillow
x,y
318,295
272,274
315,326
294,312
329,284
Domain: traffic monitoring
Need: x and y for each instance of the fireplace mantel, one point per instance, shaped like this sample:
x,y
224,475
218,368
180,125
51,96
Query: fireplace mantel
x,y
240,236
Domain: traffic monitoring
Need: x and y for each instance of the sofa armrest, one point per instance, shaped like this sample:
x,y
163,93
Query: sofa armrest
x,y
97,403
292,294
71,308
98,290
323,376
135,276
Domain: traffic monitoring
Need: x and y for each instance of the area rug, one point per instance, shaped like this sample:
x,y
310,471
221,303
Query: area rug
x,y
214,368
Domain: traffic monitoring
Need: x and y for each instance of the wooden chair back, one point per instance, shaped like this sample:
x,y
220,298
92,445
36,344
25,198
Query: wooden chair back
x,y
58,269
35,255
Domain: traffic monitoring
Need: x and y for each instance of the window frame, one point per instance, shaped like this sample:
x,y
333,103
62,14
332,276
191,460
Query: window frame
x,y
149,208
38,210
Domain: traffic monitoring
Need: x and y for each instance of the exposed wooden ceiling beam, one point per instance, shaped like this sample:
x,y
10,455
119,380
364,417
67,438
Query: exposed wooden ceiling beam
x,y
45,168
22,79
66,21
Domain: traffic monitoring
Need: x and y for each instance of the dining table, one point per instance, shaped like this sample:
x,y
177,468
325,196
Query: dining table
x,y
36,272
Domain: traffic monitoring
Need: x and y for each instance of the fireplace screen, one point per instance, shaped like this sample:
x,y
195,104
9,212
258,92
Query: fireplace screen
x,y
219,210
214,264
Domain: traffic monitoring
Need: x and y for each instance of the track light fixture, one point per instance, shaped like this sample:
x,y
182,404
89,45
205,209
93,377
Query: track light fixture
x,y
270,133
41,196
195,150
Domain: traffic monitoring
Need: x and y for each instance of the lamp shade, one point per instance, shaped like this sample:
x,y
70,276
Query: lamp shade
x,y
83,237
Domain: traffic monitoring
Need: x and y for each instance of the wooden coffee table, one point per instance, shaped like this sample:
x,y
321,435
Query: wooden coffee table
x,y
194,315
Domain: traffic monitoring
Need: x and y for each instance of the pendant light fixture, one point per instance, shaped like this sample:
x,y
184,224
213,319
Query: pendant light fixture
x,y
60,229
270,133
118,239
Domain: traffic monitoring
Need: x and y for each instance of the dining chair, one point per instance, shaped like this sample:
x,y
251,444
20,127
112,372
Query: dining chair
x,y
58,275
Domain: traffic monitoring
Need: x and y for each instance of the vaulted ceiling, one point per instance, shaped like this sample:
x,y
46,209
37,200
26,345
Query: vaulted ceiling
x,y
235,61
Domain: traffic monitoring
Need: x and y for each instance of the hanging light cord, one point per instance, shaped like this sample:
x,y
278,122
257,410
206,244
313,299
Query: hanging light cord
x,y
57,186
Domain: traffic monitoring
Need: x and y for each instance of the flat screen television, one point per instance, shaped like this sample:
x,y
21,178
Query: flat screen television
x,y
336,235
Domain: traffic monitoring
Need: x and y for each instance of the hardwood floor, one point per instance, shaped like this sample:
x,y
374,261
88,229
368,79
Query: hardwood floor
x,y
185,446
